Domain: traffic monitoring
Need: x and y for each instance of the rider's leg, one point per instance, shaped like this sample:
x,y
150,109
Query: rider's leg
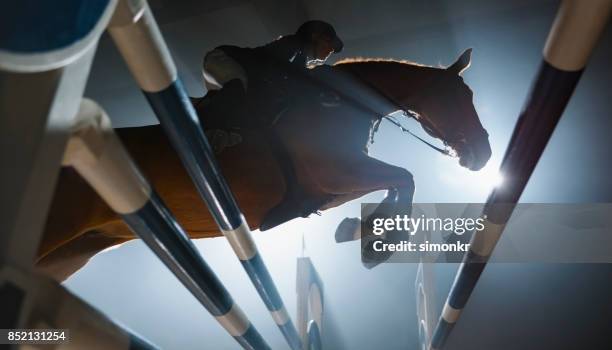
x,y
225,108
219,68
225,104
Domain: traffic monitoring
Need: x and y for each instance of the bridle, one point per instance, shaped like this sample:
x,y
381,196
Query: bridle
x,y
444,151
429,127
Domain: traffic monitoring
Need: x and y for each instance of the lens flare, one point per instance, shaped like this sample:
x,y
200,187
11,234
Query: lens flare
x,y
497,179
476,182
488,178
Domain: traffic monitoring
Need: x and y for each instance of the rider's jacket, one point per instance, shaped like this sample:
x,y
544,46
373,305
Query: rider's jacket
x,y
271,69
289,49
272,62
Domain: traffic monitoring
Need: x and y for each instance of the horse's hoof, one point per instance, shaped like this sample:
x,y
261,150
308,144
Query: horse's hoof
x,y
348,230
369,258
370,264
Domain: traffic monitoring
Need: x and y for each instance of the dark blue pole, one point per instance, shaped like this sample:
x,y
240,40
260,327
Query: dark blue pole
x,y
144,50
572,38
96,153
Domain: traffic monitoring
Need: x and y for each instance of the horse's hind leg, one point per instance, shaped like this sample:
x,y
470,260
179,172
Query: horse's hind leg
x,y
75,209
71,256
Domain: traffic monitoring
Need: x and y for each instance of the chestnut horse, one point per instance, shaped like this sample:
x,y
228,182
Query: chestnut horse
x,y
325,143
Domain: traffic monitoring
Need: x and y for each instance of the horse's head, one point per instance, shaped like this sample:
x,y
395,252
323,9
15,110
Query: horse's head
x,y
446,111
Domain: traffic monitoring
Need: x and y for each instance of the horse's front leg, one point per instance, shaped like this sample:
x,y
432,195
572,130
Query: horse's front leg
x,y
349,178
347,175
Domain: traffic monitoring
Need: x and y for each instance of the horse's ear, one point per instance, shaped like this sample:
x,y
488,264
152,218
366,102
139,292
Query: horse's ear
x,y
462,63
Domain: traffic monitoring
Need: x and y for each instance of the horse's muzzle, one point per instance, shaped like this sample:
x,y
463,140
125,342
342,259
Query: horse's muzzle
x,y
474,155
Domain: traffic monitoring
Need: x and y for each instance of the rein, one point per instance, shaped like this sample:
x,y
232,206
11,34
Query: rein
x,y
426,123
446,152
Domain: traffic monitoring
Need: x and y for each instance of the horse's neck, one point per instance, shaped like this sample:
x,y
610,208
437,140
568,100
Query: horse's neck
x,y
399,83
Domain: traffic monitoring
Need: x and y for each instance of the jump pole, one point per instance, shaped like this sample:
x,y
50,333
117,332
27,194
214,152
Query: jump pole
x,y
140,42
572,38
43,73
310,303
98,156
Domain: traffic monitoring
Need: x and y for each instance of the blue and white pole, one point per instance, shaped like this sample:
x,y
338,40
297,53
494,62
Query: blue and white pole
x,y
425,292
573,37
309,288
44,64
96,153
139,40
46,50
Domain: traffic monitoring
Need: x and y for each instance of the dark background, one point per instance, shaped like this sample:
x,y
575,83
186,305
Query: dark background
x,y
515,306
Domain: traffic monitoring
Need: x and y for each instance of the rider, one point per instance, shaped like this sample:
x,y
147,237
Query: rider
x,y
227,70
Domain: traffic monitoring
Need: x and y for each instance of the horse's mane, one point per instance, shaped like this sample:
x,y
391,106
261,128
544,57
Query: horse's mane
x,y
351,60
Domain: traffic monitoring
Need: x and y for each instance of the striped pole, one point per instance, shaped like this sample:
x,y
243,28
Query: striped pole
x,y
35,301
572,38
425,292
98,156
44,64
309,288
139,40
43,72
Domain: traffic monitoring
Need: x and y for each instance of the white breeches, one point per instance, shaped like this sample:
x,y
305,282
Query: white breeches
x,y
219,68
